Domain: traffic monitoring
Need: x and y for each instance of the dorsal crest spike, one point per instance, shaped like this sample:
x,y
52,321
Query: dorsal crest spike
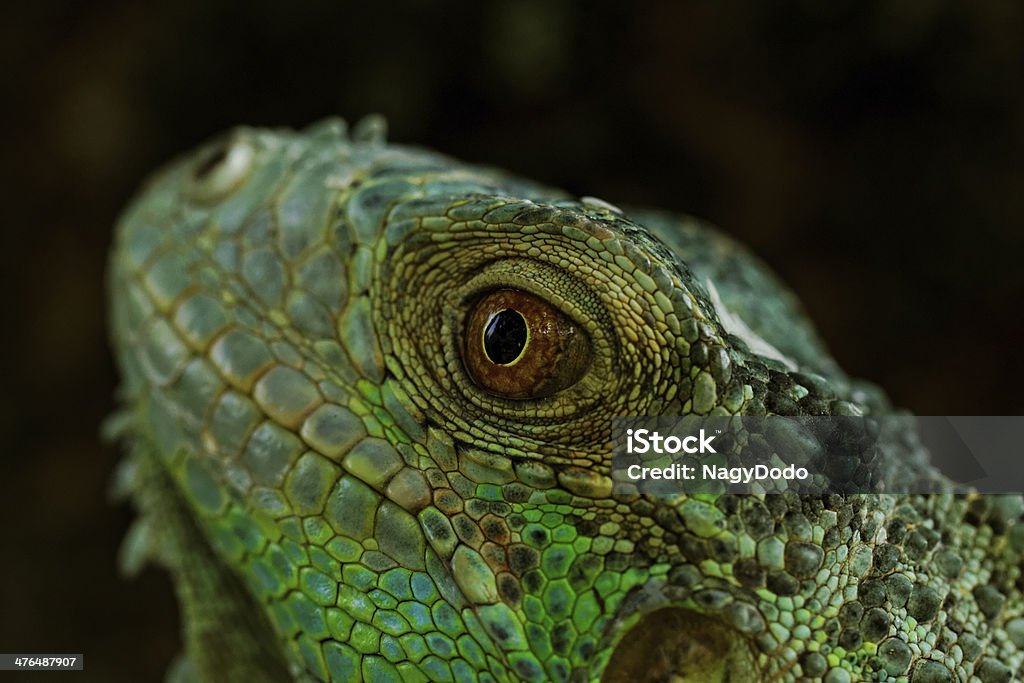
x,y
332,127
372,128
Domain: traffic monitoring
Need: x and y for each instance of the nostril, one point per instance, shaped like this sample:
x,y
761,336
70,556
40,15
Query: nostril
x,y
681,646
223,169
211,162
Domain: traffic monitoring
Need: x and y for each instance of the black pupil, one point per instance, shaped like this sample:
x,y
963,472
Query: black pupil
x,y
505,336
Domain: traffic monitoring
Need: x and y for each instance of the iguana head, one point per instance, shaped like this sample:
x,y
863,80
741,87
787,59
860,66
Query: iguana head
x,y
384,381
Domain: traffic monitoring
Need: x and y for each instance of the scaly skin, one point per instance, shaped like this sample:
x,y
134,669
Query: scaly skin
x,y
336,498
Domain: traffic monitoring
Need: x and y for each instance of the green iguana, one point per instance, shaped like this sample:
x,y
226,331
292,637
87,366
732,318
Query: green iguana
x,y
367,392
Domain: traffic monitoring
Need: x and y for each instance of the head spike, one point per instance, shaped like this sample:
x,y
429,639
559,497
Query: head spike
x,y
372,128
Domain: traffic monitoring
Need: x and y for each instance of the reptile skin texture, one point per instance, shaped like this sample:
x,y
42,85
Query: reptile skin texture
x,y
341,493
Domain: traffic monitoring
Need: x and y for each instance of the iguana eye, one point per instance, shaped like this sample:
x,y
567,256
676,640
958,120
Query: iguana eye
x,y
519,346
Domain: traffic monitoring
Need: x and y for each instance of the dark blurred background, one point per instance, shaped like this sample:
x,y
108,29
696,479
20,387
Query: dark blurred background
x,y
869,151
